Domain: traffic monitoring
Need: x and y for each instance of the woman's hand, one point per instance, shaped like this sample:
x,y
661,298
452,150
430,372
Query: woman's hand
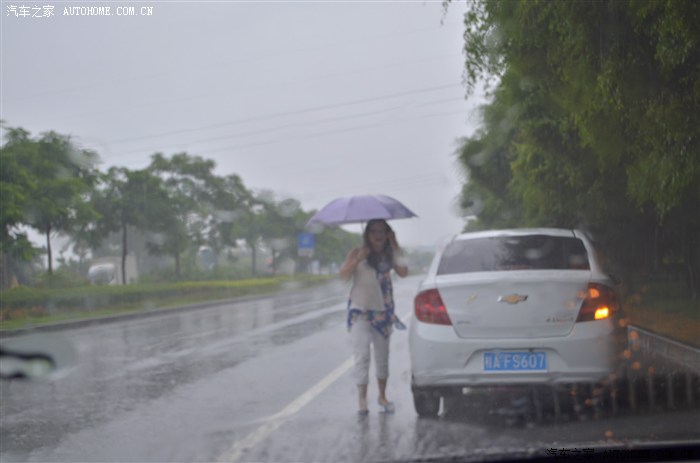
x,y
353,259
401,269
361,253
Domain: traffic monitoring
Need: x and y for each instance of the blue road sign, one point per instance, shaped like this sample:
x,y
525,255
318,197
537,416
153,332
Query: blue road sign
x,y
305,244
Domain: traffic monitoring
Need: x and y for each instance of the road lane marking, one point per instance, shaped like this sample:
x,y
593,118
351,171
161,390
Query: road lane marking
x,y
238,449
251,440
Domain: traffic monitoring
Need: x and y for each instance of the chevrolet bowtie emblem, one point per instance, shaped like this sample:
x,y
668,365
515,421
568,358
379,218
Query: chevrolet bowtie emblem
x,y
512,298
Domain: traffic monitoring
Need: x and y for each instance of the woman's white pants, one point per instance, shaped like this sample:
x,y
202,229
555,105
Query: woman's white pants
x,y
363,335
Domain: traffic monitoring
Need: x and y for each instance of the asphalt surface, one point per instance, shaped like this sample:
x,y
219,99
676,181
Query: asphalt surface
x,y
270,380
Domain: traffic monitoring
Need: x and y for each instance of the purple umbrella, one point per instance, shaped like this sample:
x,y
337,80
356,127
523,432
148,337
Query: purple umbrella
x,y
358,209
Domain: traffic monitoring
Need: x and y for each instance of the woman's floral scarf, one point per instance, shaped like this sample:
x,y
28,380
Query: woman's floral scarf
x,y
381,320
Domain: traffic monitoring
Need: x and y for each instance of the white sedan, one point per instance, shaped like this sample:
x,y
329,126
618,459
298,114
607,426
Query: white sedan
x,y
512,308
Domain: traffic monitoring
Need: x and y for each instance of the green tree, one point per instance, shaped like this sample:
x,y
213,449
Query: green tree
x,y
54,178
16,189
333,244
596,123
233,218
193,190
280,223
130,199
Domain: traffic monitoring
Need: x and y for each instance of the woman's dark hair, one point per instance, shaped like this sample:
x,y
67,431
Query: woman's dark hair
x,y
373,258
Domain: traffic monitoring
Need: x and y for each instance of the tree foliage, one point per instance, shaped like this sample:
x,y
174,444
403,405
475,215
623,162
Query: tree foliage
x,y
127,199
16,189
592,123
192,189
177,206
44,183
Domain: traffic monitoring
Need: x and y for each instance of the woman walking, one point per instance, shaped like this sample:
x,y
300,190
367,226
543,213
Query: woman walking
x,y
371,306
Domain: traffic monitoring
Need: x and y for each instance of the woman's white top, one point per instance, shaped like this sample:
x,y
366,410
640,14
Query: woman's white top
x,y
366,294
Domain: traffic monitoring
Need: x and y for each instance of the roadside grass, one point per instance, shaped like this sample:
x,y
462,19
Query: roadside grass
x,y
33,321
666,309
663,308
32,307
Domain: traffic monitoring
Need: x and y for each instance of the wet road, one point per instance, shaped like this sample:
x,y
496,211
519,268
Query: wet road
x,y
266,380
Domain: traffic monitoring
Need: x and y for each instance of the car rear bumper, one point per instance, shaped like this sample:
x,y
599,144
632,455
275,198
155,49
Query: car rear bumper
x,y
439,358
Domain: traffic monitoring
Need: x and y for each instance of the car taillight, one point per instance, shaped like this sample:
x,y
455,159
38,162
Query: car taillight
x,y
430,309
599,303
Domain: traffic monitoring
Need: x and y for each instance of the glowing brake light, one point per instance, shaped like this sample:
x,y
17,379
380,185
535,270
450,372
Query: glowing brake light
x,y
601,313
600,302
430,308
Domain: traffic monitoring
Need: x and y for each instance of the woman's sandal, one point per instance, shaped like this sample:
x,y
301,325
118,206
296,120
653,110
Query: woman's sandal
x,y
363,411
387,407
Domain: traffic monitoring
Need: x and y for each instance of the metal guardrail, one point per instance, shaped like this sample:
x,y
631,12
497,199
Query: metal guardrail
x,y
671,376
656,347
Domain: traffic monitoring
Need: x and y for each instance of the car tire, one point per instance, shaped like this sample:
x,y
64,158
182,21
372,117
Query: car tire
x,y
427,404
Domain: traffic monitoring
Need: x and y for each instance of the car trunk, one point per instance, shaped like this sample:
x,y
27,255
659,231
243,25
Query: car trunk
x,y
514,304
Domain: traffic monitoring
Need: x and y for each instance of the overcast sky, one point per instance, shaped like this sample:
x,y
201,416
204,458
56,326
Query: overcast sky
x,y
312,100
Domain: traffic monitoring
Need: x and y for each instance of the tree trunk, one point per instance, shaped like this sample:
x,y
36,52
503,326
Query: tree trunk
x,y
177,264
48,247
124,252
692,262
4,272
253,258
658,247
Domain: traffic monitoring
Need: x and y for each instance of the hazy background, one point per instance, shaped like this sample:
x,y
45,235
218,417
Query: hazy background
x,y
312,100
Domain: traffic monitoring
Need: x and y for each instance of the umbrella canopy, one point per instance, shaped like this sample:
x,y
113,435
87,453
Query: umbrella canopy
x,y
363,208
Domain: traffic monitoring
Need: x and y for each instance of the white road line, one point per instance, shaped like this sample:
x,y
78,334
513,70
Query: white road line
x,y
238,449
275,421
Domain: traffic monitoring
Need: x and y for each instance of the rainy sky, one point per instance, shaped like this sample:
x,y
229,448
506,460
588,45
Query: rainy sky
x,y
312,100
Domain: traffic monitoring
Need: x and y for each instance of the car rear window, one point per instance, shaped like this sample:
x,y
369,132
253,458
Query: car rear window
x,y
531,252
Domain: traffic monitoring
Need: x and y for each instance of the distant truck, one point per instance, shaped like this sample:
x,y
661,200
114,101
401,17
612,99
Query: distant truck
x,y
108,270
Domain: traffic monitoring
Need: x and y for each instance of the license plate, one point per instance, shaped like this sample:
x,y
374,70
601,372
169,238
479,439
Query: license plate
x,y
515,361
